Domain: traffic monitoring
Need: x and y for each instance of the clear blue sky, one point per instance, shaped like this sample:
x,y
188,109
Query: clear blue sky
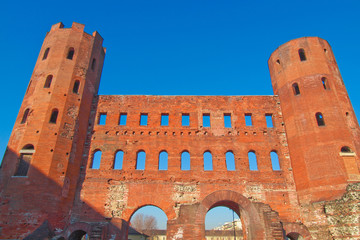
x,y
185,47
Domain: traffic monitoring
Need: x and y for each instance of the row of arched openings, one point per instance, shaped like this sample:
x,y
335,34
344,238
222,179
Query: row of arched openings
x,y
70,56
49,78
185,160
53,116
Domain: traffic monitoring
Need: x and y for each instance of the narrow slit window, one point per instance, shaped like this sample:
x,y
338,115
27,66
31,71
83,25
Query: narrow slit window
x,y
27,90
164,119
227,120
320,119
76,86
185,120
46,53
230,161
93,64
48,81
54,115
70,54
185,161
302,54
163,160
96,161
23,164
275,161
296,89
269,120
123,118
140,160
118,161
248,119
208,162
143,119
252,161
325,83
25,116
206,120
102,119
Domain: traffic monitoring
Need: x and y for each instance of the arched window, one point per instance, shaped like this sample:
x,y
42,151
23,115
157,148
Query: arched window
x,y
230,161
96,160
252,161
48,81
320,119
70,54
140,160
54,115
208,163
302,54
93,64
118,161
275,161
296,89
46,53
163,160
23,164
185,160
325,83
24,118
76,87
346,149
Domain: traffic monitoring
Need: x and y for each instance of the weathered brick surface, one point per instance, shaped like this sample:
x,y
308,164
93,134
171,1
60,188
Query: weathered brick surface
x,y
63,188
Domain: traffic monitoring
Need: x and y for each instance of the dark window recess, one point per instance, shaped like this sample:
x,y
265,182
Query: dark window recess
x,y
185,120
24,118
27,90
302,54
320,119
93,64
54,116
325,83
346,149
296,89
206,120
46,53
76,86
70,54
48,81
24,161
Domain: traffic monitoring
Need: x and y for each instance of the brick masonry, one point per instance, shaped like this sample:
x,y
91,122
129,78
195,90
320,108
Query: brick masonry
x,y
64,194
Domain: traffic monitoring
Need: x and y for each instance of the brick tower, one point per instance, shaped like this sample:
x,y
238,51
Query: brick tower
x,y
42,161
322,130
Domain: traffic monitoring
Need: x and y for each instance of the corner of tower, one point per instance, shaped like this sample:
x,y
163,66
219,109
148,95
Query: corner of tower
x,y
78,27
57,26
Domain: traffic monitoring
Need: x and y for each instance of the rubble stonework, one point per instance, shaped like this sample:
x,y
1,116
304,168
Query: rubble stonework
x,y
55,185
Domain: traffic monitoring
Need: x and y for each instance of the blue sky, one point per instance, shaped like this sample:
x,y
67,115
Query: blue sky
x,y
178,47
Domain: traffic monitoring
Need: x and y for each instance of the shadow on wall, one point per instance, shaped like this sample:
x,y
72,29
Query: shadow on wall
x,y
34,206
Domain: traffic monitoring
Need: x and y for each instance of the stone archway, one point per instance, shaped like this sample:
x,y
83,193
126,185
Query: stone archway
x,y
297,231
250,217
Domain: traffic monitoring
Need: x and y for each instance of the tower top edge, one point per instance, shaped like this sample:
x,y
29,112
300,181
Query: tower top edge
x,y
78,27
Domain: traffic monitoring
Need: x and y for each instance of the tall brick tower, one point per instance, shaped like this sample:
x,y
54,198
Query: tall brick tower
x,y
42,161
322,130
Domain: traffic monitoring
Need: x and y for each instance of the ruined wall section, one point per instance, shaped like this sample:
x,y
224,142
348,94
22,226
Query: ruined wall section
x,y
118,193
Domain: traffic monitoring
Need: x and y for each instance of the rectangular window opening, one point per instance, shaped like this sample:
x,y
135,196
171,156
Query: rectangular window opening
x,y
248,121
206,120
269,121
122,119
102,119
227,120
185,120
164,119
143,119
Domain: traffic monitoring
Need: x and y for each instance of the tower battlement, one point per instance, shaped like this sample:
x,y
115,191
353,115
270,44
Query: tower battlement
x,y
79,163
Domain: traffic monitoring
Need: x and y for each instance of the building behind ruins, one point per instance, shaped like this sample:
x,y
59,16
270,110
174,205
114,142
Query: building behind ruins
x,y
78,163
